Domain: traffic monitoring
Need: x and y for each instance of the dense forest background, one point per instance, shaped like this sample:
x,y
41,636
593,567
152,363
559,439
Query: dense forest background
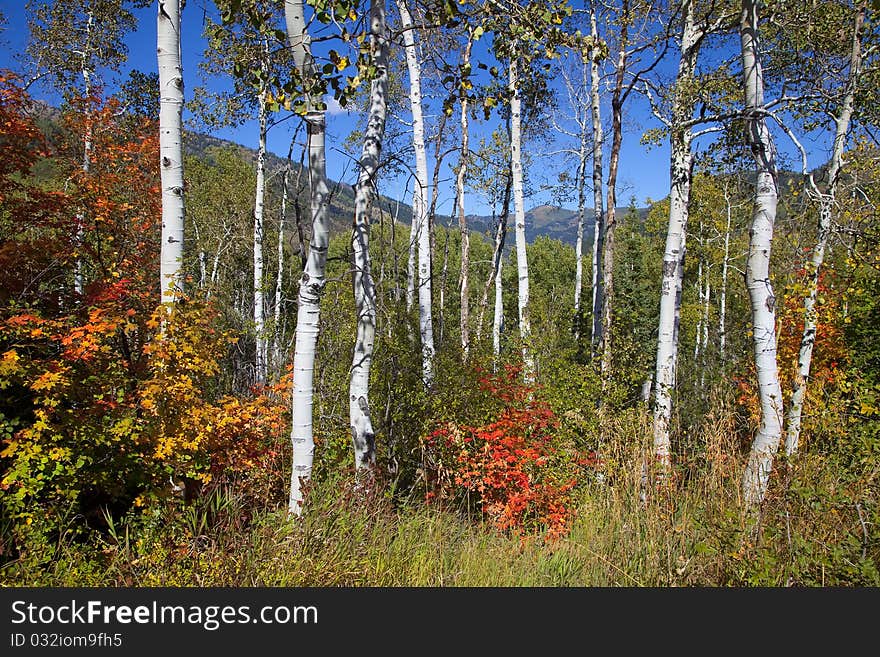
x,y
584,393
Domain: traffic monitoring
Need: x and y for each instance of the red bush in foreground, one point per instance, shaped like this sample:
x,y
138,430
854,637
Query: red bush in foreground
x,y
520,481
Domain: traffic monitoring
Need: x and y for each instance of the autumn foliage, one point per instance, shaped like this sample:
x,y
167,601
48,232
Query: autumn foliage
x,y
509,467
107,397
828,367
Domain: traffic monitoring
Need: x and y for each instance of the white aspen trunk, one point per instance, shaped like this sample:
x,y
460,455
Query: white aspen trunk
x,y
498,319
525,329
170,147
826,206
670,296
362,434
443,276
722,301
203,262
464,282
420,196
87,144
260,366
215,265
598,199
312,281
680,168
579,241
766,442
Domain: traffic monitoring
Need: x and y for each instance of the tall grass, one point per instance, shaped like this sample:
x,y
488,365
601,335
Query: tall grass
x,y
687,530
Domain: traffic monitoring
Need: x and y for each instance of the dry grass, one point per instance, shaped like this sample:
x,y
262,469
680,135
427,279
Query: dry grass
x,y
687,530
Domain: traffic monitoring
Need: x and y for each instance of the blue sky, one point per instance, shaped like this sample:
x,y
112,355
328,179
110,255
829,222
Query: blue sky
x,y
643,174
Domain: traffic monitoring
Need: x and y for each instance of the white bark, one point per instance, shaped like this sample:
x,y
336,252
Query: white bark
x,y
464,282
707,296
279,275
420,195
362,434
443,276
87,143
826,206
498,319
170,147
260,365
311,285
522,264
680,169
579,241
766,442
598,199
722,301
670,297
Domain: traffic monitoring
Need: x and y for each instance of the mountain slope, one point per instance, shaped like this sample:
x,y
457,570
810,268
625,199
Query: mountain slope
x,y
543,220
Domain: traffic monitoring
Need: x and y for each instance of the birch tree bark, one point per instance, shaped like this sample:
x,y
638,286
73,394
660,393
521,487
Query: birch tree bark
x,y
170,147
525,330
725,263
362,434
579,240
260,365
763,302
681,173
464,282
87,140
277,333
826,207
420,195
670,298
498,317
598,203
312,281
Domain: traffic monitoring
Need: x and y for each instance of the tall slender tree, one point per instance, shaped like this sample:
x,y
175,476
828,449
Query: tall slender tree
x,y
464,157
827,200
598,138
522,264
420,194
680,175
313,280
763,301
636,36
170,146
362,432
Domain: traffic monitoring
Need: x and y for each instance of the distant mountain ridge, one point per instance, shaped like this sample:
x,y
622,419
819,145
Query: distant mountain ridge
x,y
543,220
